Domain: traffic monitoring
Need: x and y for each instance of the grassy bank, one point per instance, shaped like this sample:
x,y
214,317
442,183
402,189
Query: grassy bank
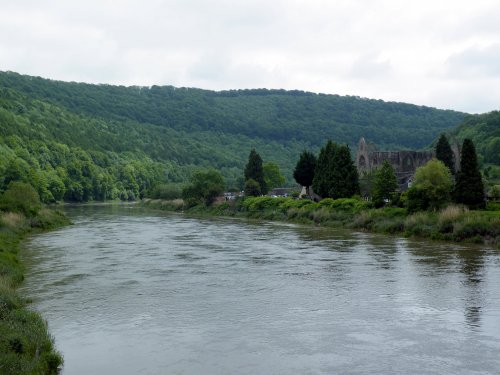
x,y
26,347
454,223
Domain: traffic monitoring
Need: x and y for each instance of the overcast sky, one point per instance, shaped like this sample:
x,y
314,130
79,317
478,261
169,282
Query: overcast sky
x,y
440,53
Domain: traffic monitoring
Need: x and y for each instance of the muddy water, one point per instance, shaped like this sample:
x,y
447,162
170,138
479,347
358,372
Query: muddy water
x,y
127,291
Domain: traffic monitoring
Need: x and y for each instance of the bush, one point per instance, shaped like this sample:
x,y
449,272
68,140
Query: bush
x,y
345,204
420,224
166,191
48,219
20,197
261,203
473,226
252,188
204,187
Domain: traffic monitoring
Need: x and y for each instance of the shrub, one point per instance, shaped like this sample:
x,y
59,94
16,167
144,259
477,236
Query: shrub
x,y
420,224
345,204
204,187
252,188
262,203
166,191
477,225
299,203
20,197
47,219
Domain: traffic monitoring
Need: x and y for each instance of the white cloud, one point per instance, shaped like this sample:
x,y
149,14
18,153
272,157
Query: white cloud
x,y
420,52
476,62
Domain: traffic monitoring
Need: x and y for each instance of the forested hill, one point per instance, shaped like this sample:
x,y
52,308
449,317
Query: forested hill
x,y
80,141
272,115
484,130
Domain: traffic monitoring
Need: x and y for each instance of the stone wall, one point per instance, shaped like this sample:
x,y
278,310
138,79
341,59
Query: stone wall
x,y
405,163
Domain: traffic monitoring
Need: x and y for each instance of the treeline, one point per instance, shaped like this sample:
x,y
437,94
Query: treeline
x,y
62,173
33,131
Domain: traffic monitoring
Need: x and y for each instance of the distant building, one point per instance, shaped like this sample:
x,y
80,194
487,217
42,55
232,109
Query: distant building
x,y
405,163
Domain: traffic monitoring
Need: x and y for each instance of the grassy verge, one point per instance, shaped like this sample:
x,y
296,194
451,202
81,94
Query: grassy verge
x,y
26,346
454,223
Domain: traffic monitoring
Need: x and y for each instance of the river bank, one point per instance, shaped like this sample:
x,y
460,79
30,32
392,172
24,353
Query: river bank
x,y
26,347
453,223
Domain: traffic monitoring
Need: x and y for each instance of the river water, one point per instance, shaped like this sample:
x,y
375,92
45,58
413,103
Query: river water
x,y
127,291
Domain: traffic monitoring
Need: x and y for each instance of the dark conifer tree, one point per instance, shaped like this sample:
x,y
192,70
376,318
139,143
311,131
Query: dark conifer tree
x,y
469,188
444,153
336,175
323,172
345,179
255,171
304,170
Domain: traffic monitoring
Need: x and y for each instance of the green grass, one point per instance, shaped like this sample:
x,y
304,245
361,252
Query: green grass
x,y
26,346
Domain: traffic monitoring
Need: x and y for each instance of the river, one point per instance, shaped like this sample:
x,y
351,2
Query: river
x,y
130,291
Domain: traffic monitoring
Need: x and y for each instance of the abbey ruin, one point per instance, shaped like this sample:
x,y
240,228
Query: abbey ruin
x,y
405,163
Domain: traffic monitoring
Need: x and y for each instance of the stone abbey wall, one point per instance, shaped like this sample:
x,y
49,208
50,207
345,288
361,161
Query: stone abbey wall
x,y
404,163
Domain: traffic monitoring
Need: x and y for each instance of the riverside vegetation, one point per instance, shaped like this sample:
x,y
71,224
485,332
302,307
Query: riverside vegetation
x,y
26,346
435,206
451,223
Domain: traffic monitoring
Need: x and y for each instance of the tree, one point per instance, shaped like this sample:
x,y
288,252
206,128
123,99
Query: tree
x,y
384,184
431,187
469,187
304,170
255,171
272,175
252,188
336,175
323,172
345,181
204,187
444,153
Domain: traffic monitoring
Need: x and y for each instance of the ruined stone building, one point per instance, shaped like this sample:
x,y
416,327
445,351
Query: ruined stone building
x,y
405,163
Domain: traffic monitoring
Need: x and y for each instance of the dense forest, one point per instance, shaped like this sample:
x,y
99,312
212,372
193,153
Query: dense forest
x,y
79,142
484,130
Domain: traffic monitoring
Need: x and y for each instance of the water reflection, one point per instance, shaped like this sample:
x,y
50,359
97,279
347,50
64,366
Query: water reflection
x,y
472,267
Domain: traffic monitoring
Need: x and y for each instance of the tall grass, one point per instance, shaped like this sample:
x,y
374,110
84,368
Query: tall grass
x,y
26,347
12,220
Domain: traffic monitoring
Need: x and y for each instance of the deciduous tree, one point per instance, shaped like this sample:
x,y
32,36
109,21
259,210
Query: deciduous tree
x,y
272,175
431,188
384,184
